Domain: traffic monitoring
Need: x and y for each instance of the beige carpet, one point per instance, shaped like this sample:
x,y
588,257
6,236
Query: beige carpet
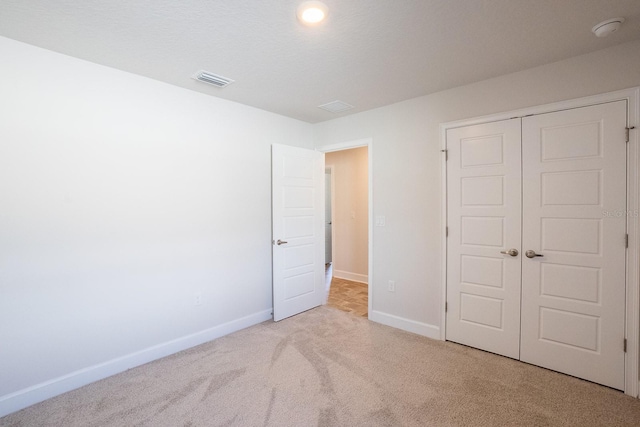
x,y
329,368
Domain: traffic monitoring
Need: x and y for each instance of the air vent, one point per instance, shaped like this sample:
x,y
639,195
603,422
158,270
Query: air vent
x,y
212,79
336,106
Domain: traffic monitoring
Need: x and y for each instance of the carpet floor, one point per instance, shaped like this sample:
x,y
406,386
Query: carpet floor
x,y
326,367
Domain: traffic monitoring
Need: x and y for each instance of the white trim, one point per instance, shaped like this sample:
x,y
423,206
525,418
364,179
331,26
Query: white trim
x,y
632,321
333,210
333,234
354,277
424,329
628,94
632,327
31,395
443,237
364,142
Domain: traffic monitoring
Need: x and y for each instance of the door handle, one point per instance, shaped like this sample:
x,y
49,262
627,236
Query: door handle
x,y
281,242
532,254
512,252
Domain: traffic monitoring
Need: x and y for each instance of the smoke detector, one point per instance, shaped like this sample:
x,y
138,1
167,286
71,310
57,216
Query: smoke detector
x,y
212,79
607,27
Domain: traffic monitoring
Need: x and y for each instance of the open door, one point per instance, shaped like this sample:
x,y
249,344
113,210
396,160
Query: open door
x,y
298,229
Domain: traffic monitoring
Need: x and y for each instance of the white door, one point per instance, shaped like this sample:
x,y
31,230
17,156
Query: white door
x,y
483,207
298,229
574,205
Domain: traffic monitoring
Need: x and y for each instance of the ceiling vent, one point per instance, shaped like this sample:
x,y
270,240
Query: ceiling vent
x,y
336,106
212,79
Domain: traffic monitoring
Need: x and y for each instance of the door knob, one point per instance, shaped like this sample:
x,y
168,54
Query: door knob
x,y
512,252
281,242
532,254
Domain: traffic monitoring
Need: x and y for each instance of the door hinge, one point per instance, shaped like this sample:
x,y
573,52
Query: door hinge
x,y
625,345
446,154
627,132
446,232
626,241
446,307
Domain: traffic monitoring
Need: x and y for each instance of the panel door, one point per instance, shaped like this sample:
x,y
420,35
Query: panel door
x,y
298,229
483,210
574,205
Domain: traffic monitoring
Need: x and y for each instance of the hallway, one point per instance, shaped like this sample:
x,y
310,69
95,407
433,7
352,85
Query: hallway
x,y
349,296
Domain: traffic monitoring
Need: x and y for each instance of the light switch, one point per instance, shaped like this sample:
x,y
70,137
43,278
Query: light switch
x,y
380,220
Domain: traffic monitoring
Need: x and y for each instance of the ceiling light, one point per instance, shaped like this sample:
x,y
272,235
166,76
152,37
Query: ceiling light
x,y
312,12
607,27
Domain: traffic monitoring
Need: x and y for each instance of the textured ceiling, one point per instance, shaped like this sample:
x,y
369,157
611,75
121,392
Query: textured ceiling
x,y
368,53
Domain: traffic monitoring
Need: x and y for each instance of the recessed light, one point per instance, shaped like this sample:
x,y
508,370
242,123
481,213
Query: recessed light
x,y
312,12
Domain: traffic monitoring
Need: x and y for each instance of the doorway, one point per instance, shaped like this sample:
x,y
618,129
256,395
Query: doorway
x,y
348,222
298,226
368,144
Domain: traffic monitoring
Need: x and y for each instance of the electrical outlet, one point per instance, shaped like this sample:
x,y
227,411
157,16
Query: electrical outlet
x,y
380,220
392,286
197,299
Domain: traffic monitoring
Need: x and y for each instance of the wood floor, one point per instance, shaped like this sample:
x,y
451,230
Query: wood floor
x,y
352,297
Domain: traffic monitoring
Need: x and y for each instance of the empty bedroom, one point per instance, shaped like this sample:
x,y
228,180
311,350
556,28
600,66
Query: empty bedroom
x,y
179,179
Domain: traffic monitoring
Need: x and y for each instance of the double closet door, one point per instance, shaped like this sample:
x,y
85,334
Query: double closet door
x,y
537,239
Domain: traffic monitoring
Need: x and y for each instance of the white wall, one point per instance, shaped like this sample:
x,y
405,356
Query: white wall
x,y
407,168
351,213
121,199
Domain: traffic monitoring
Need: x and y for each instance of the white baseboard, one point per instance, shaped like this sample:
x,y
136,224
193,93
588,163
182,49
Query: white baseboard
x,y
354,277
424,329
31,395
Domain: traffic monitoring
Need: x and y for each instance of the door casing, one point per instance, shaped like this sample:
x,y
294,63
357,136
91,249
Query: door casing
x,y
632,318
332,190
365,142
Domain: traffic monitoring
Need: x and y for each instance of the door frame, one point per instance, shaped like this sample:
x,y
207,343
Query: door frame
x,y
333,204
632,317
333,214
364,142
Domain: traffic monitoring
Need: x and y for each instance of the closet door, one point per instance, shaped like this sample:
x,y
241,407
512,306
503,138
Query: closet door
x,y
484,223
574,218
